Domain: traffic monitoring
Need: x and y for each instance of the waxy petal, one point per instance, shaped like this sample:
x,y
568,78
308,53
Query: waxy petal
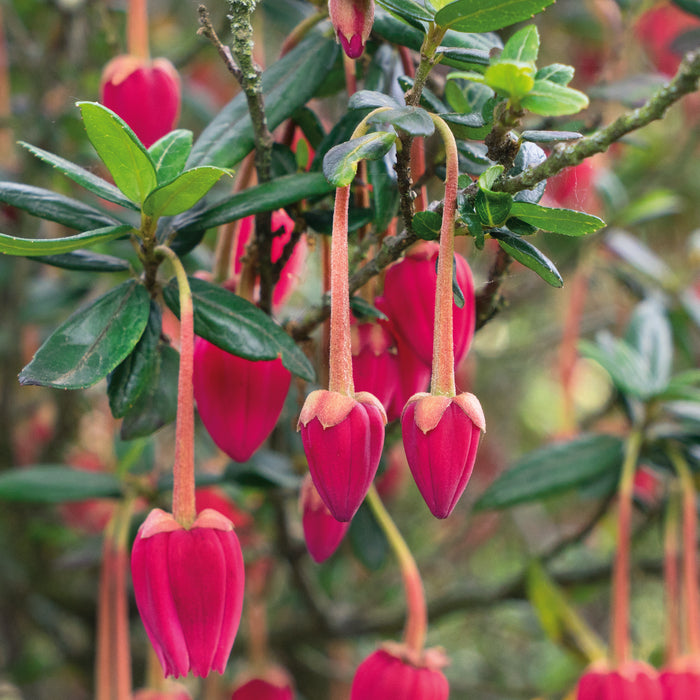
x,y
322,532
633,681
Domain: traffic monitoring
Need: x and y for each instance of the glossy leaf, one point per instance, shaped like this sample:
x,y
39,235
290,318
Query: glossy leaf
x,y
412,120
556,73
54,207
83,177
183,192
530,155
287,85
239,327
156,406
84,260
170,153
523,46
120,150
526,254
407,9
371,99
493,208
56,484
510,78
464,59
10,245
130,378
93,341
362,309
549,136
554,469
426,225
487,15
567,222
385,192
367,539
340,163
553,100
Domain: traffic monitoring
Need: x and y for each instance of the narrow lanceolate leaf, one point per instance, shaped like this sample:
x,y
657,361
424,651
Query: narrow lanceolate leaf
x,y
550,99
526,254
183,192
83,177
120,150
92,342
413,120
170,153
51,206
239,327
554,469
287,85
85,261
340,163
10,245
487,15
56,484
568,222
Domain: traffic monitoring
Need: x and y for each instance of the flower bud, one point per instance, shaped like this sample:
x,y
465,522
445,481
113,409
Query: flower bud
x,y
145,94
239,400
322,532
343,439
409,301
273,684
352,20
634,680
682,680
441,435
189,586
391,672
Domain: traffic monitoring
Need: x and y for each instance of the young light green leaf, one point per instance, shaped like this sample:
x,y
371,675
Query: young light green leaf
x,y
523,46
412,120
487,15
567,222
170,153
493,208
340,163
183,192
239,327
93,341
510,78
10,245
489,176
550,99
83,177
556,73
526,254
120,150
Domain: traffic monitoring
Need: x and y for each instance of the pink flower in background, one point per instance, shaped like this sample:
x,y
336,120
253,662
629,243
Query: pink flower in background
x,y
322,532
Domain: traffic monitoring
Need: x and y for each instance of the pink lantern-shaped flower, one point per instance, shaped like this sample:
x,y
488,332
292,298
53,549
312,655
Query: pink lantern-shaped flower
x,y
441,435
188,585
409,302
145,94
273,683
352,20
389,674
322,532
343,439
634,680
239,400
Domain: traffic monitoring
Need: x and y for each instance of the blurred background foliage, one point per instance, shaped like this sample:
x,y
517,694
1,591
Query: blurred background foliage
x,y
524,367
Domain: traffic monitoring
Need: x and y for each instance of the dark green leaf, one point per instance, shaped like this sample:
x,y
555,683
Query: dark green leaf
x,y
310,125
385,192
29,247
426,225
54,207
340,133
368,541
84,260
129,379
170,154
340,163
526,254
407,9
239,327
553,100
487,15
428,99
56,484
287,85
520,228
157,404
567,222
93,341
554,469
120,150
371,99
556,73
321,220
413,120
183,192
530,155
550,136
464,59
467,126
523,46
362,309
265,469
83,177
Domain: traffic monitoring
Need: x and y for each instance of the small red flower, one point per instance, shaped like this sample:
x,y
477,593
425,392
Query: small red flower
x,y
343,439
322,532
441,435
353,21
391,673
145,94
409,302
632,681
239,400
189,586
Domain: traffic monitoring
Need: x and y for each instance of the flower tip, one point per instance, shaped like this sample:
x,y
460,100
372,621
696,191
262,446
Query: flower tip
x,y
353,47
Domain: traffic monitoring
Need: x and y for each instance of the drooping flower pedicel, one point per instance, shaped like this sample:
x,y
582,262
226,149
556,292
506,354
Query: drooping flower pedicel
x,y
188,585
352,20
